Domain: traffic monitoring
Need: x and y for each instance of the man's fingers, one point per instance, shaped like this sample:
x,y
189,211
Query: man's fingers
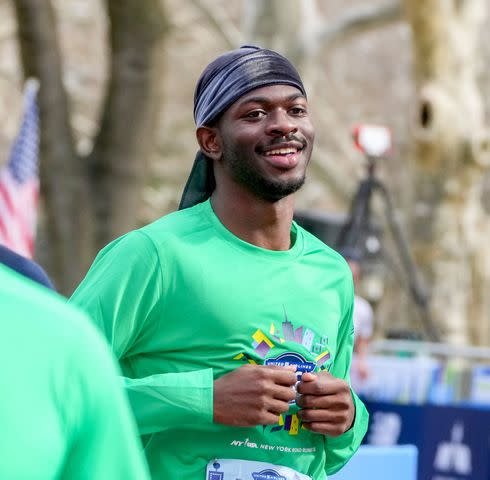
x,y
322,415
312,401
332,402
324,428
282,375
316,388
286,394
253,395
277,406
268,418
308,377
292,368
320,386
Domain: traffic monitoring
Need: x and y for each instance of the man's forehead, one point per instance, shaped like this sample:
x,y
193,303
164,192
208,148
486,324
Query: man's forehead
x,y
271,93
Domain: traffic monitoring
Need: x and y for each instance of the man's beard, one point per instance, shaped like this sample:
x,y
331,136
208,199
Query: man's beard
x,y
271,190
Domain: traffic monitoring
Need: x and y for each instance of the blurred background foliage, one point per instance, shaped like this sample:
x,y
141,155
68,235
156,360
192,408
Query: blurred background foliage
x,y
116,98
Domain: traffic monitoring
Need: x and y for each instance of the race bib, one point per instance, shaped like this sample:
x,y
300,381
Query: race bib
x,y
230,469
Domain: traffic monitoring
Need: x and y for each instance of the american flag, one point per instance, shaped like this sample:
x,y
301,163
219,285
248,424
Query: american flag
x,y
19,180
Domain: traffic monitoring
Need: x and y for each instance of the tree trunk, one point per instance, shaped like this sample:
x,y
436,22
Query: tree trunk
x,y
268,24
449,127
90,201
63,184
119,160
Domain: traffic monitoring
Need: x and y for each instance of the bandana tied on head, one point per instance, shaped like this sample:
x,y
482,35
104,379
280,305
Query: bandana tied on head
x,y
221,84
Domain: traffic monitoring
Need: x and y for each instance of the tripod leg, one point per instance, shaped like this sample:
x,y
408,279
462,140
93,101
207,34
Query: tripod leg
x,y
418,292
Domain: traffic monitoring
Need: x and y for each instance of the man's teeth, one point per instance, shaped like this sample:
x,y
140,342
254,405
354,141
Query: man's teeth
x,y
281,151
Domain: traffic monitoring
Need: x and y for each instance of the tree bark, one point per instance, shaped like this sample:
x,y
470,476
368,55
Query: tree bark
x,y
63,182
119,161
224,26
358,21
448,149
90,201
269,24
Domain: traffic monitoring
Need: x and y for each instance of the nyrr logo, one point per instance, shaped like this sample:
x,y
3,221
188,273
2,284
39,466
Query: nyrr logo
x,y
216,475
267,474
292,358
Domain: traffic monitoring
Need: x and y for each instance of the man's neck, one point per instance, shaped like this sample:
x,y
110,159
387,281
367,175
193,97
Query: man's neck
x,y
256,221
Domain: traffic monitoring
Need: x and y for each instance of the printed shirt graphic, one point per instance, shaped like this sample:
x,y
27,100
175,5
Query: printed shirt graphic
x,y
183,302
268,474
308,351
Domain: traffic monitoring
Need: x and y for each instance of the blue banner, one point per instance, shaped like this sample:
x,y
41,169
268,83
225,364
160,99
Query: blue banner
x,y
453,442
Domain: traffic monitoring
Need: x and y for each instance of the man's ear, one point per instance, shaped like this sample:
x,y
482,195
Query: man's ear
x,y
209,141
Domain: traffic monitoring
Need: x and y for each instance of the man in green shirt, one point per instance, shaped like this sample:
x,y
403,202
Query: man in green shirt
x,y
63,413
232,324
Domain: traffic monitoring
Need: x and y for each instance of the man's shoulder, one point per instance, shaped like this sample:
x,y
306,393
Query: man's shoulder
x,y
314,244
177,225
173,228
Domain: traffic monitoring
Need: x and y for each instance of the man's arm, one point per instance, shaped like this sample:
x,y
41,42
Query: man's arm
x,y
330,407
122,294
170,400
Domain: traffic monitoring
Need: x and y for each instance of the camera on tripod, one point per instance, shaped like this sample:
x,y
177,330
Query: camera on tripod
x,y
372,140
360,231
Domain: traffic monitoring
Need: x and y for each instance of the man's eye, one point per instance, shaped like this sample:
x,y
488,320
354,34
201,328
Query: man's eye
x,y
299,111
255,114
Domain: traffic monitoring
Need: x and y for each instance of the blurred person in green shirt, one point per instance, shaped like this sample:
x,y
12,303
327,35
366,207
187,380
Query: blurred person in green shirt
x,y
232,324
63,413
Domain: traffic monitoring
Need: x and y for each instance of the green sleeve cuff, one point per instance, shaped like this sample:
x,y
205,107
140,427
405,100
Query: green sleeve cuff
x,y
171,400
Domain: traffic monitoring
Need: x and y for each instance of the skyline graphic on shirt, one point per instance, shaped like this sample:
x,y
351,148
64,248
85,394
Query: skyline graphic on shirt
x,y
269,348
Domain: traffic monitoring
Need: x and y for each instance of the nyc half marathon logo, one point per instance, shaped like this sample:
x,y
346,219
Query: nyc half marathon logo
x,y
233,467
267,474
277,347
292,358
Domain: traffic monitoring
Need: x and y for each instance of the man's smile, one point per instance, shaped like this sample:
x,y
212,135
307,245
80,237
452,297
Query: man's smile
x,y
284,155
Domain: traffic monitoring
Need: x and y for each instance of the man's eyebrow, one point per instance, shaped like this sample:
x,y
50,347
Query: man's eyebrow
x,y
260,99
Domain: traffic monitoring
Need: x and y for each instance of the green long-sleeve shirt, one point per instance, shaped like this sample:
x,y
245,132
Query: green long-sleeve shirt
x,y
183,301
63,412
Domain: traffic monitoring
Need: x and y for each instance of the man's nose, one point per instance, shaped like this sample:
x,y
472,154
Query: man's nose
x,y
281,124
